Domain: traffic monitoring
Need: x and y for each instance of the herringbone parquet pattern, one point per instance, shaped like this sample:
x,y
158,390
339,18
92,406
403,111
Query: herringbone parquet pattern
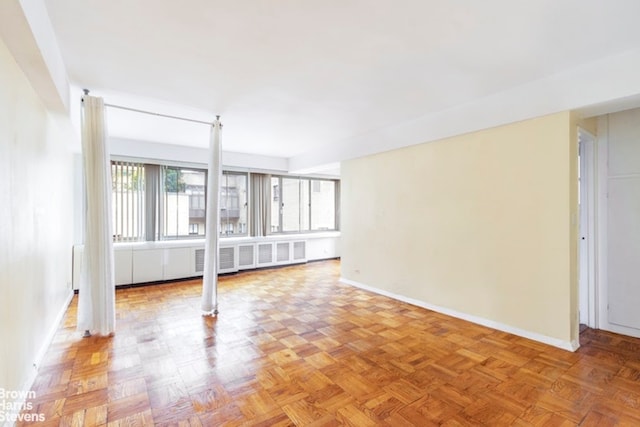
x,y
292,346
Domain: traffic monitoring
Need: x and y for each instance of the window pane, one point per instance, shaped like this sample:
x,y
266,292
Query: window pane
x,y
304,205
127,201
233,204
290,204
183,202
275,204
323,205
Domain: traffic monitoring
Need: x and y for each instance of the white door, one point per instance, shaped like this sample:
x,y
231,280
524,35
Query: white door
x,y
623,222
586,234
583,247
624,251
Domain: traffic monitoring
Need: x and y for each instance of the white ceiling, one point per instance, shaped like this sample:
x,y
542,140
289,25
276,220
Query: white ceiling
x,y
294,77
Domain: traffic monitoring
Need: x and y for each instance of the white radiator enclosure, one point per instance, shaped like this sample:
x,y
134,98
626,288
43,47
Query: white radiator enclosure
x,y
143,262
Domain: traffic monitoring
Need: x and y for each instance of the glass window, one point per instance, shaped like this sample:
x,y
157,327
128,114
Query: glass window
x,y
275,204
233,204
291,198
171,201
127,201
305,205
323,205
183,202
301,204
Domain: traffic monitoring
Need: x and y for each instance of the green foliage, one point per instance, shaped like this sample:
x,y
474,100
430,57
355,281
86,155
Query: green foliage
x,y
127,177
173,180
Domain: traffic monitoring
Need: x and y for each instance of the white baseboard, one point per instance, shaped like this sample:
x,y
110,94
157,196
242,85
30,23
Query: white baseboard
x,y
565,345
50,335
28,383
620,329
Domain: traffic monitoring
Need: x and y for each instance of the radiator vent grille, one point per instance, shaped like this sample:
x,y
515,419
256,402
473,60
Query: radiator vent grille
x,y
265,253
199,260
283,251
245,255
299,250
227,258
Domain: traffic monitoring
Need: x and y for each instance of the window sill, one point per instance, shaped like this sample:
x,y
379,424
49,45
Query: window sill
x,y
183,243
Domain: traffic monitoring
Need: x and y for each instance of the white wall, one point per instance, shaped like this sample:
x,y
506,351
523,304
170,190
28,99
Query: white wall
x,y
36,229
145,150
27,33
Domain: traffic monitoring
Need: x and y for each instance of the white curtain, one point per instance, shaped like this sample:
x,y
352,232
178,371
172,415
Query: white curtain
x,y
96,303
210,279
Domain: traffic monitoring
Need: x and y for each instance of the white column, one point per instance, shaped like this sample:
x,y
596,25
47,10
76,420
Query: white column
x,y
210,279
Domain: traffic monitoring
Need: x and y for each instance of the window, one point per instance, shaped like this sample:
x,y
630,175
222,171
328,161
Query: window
x,y
301,204
154,202
233,204
295,205
127,201
323,203
275,204
182,202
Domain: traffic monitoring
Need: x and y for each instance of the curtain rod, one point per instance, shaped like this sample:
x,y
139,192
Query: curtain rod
x,y
186,119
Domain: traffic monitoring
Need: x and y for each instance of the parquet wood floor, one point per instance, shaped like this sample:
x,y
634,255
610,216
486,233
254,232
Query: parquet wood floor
x,y
292,346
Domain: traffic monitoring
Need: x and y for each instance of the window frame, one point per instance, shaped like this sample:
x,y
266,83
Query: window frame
x,y
127,218
222,233
310,186
162,222
158,214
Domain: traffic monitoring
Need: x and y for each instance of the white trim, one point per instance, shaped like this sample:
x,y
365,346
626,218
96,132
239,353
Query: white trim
x,y
621,329
52,332
589,200
602,156
46,343
565,345
180,243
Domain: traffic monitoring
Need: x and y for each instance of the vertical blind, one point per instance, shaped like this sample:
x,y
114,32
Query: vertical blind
x,y
127,201
155,202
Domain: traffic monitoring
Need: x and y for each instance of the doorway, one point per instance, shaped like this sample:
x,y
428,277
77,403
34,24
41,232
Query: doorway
x,y
586,234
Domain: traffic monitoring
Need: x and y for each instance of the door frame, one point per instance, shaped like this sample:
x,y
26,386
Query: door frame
x,y
587,274
602,207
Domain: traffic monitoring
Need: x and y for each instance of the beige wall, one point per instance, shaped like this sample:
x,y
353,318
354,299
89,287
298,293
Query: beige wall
x,y
480,224
35,224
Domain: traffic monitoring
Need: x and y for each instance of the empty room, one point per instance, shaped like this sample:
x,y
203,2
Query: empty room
x,y
319,213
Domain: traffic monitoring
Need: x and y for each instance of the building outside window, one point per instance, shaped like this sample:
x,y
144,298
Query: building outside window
x,y
127,201
303,204
233,204
183,202
175,208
